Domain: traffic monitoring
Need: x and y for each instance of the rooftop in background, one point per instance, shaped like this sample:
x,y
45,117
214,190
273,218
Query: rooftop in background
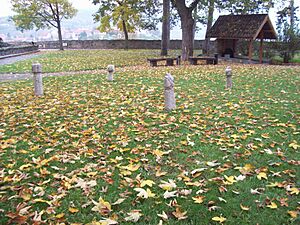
x,y
243,27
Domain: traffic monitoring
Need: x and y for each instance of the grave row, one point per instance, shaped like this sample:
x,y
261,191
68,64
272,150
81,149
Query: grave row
x,y
170,101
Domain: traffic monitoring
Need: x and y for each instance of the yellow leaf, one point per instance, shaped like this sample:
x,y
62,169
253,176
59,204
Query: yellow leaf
x,y
245,208
147,182
59,216
272,205
198,199
294,191
294,145
229,180
219,219
92,174
293,214
26,166
160,173
262,175
273,184
248,167
73,210
132,167
102,206
158,153
42,200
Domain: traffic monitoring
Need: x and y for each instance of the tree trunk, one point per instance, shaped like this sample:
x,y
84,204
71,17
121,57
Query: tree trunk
x,y
165,38
209,25
57,17
61,47
187,26
125,34
292,8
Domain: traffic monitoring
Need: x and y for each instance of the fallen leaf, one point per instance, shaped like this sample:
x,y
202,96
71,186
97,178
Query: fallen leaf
x,y
179,215
119,201
168,186
272,205
262,175
293,214
219,219
164,216
245,208
198,199
133,216
144,193
101,206
171,194
147,182
73,210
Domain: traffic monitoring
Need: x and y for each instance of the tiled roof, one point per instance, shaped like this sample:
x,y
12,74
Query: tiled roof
x,y
242,27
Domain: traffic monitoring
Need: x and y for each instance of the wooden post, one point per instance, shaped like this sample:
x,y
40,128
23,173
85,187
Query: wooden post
x,y
38,79
250,50
261,50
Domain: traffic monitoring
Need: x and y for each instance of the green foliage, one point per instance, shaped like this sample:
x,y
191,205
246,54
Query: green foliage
x,y
244,6
134,13
289,32
39,14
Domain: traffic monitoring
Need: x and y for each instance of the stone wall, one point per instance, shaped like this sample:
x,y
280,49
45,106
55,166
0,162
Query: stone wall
x,y
11,50
113,44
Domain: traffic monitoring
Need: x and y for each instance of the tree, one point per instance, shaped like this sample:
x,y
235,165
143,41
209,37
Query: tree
x,y
82,36
165,38
42,14
187,25
289,33
126,15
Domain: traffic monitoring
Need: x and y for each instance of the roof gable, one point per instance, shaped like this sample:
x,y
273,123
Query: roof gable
x,y
243,27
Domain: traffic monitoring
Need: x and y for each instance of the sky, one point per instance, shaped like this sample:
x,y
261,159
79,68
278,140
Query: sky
x,y
78,4
5,10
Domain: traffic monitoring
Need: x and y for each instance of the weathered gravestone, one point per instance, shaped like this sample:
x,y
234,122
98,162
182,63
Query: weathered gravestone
x,y
228,73
170,102
110,70
38,79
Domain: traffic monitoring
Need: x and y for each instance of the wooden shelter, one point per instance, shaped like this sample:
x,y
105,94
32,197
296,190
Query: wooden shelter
x,y
230,29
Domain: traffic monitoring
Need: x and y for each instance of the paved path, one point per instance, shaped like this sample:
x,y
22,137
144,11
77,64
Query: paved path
x,y
23,76
12,60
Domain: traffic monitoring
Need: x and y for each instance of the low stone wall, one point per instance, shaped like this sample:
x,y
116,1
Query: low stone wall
x,y
114,44
12,50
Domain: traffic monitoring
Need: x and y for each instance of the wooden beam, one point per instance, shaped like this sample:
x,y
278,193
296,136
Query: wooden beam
x,y
250,49
261,47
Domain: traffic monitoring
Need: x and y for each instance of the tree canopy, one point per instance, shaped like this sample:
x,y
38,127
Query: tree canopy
x,y
126,15
288,30
42,14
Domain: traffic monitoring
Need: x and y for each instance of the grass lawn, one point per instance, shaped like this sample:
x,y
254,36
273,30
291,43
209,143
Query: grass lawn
x,y
97,152
79,60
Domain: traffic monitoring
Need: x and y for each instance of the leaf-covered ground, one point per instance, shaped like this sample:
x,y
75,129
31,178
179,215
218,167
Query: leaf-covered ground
x,y
80,60
98,152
